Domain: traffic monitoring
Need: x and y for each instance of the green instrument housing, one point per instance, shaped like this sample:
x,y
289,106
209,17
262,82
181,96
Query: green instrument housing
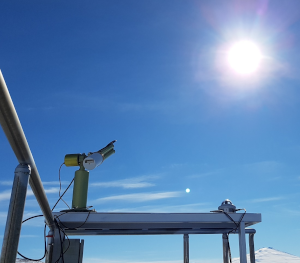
x,y
81,179
106,149
80,190
72,159
107,154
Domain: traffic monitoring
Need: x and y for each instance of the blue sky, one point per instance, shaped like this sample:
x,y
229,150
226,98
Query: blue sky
x,y
153,75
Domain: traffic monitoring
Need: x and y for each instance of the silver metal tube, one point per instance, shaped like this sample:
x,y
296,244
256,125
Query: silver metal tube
x,y
186,256
13,130
15,214
251,248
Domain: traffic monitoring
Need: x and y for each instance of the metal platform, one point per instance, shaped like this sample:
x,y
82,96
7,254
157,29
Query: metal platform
x,y
95,223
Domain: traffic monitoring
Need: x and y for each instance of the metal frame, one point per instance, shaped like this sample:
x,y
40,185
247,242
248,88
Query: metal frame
x,y
12,128
93,223
151,223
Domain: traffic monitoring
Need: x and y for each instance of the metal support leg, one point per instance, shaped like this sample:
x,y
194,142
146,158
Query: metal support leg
x,y
251,248
225,248
15,214
242,243
186,257
73,250
55,249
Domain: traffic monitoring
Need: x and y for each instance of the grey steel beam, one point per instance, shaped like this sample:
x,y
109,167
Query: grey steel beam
x,y
12,128
167,231
242,243
93,223
186,249
251,248
225,248
94,220
15,214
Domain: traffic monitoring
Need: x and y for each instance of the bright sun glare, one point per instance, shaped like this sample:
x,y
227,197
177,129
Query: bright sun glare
x,y
244,57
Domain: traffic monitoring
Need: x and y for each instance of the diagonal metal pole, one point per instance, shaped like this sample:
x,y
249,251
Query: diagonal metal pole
x,y
12,128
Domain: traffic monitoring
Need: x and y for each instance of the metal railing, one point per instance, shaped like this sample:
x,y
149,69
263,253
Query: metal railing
x,y
12,128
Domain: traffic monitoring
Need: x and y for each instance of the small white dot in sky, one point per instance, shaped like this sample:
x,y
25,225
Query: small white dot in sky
x,y
187,190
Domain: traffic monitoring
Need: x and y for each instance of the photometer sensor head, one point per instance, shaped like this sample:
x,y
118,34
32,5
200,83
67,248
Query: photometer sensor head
x,y
92,161
227,206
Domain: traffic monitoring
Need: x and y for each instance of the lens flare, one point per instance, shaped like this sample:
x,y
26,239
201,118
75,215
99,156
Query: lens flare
x,y
244,57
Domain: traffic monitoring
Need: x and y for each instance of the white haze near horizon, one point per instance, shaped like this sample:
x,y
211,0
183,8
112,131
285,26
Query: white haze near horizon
x,y
263,255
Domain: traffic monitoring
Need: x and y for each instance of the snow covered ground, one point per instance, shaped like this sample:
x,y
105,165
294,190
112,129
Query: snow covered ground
x,y
27,261
263,255
270,255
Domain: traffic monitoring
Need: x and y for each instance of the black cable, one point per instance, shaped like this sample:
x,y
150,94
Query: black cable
x,y
61,242
237,224
44,241
62,195
67,238
57,217
60,186
228,245
61,247
85,220
31,218
60,229
60,223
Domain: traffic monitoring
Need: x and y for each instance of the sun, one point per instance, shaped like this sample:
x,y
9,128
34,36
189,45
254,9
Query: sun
x,y
244,57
